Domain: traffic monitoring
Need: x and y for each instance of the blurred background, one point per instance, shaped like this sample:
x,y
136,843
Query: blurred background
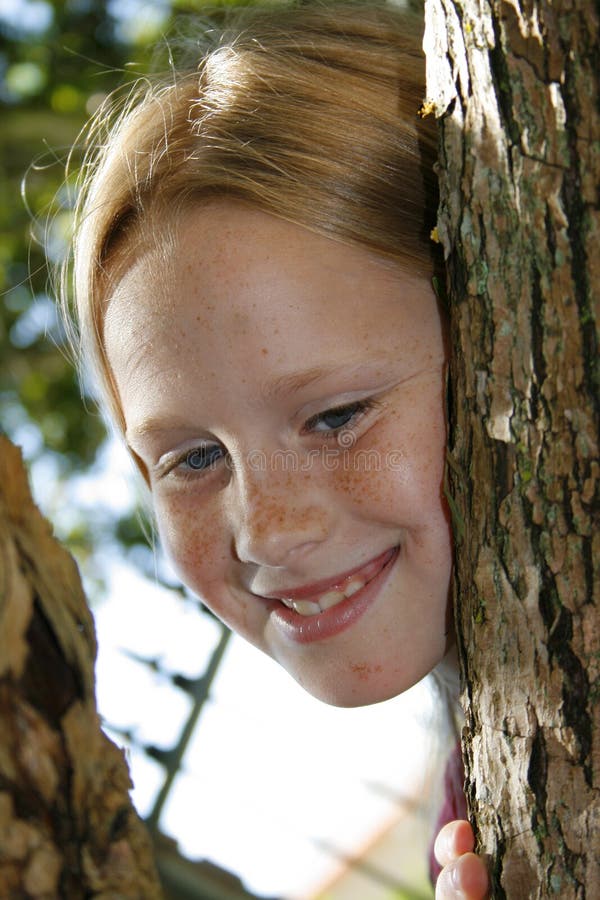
x,y
249,786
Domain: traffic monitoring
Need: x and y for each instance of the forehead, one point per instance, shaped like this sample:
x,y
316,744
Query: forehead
x,y
233,295
230,252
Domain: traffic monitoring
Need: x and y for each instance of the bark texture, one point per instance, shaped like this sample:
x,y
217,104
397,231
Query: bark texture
x,y
67,826
515,84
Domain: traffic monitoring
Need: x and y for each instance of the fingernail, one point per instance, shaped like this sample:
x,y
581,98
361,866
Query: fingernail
x,y
443,847
449,884
455,882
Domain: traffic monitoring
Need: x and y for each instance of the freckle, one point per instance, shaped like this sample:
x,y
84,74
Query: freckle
x,y
264,351
364,670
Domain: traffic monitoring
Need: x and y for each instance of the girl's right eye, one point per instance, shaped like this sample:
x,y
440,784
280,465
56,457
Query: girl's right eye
x,y
205,457
199,459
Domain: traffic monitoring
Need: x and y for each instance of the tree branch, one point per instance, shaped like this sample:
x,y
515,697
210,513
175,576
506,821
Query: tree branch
x,y
67,825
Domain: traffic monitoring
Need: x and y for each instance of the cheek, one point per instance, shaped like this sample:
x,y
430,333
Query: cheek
x,y
399,463
198,547
193,541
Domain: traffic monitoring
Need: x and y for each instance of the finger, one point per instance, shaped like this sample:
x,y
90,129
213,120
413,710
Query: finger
x,y
454,839
465,878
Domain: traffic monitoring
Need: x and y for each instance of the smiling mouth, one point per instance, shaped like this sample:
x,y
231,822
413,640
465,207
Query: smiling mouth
x,y
343,590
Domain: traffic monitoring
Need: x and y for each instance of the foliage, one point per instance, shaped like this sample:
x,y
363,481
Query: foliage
x,y
58,61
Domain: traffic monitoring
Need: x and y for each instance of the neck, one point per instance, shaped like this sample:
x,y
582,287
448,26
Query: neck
x,y
448,673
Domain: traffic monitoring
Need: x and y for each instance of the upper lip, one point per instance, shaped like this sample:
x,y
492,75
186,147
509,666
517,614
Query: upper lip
x,y
319,587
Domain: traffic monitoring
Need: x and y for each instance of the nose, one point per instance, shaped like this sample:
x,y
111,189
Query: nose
x,y
277,517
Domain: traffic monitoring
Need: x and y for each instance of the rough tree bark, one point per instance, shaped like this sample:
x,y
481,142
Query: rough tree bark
x,y
516,87
67,826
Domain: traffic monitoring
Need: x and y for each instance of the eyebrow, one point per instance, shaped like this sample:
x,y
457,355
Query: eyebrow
x,y
283,385
153,426
296,381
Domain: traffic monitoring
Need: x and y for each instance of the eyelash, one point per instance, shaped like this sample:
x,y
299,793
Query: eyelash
x,y
174,468
355,412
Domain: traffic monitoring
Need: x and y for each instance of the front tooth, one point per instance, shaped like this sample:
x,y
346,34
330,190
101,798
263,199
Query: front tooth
x,y
330,599
288,603
353,586
306,607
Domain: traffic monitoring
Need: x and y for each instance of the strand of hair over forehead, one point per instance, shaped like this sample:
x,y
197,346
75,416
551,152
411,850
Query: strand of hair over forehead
x,y
211,43
248,29
208,42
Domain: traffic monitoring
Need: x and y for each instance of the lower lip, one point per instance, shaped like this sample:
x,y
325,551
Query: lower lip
x,y
306,629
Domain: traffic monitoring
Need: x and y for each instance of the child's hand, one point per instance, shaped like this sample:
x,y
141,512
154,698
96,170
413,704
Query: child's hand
x,y
463,874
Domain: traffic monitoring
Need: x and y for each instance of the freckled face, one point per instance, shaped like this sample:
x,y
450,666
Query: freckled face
x,y
285,394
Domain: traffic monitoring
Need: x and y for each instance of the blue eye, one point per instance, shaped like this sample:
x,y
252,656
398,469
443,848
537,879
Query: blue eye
x,y
338,417
201,458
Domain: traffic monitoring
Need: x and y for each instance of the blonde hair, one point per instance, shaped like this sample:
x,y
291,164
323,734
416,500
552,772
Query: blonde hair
x,y
307,112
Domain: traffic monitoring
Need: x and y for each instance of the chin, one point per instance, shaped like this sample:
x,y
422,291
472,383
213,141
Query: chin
x,y
363,688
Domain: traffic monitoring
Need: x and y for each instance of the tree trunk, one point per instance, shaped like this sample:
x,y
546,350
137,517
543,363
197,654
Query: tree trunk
x,y
67,826
515,84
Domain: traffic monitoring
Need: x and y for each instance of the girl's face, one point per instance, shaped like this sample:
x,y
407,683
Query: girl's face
x,y
284,392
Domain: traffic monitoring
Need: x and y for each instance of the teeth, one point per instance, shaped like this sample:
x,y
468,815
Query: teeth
x,y
353,586
330,599
326,601
306,607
